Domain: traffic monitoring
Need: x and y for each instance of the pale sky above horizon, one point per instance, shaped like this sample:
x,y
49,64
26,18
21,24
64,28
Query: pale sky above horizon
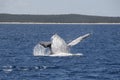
x,y
87,7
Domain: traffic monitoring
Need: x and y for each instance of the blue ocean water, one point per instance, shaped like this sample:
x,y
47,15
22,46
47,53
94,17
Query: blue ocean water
x,y
100,60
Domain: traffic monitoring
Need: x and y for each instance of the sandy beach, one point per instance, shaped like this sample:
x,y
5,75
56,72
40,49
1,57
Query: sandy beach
x,y
52,23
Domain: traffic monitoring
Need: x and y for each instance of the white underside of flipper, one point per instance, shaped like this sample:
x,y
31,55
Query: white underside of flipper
x,y
78,40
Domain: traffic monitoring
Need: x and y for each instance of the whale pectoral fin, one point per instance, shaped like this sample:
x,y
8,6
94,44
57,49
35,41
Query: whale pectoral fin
x,y
79,39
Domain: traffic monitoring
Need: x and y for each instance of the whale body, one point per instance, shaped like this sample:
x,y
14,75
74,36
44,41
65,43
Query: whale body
x,y
57,46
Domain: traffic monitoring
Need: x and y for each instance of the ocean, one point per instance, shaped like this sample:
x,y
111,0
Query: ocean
x,y
100,60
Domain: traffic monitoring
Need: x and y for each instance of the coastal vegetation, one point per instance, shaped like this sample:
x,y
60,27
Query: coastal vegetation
x,y
64,18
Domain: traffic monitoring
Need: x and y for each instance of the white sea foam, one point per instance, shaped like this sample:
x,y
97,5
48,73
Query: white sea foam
x,y
7,69
66,54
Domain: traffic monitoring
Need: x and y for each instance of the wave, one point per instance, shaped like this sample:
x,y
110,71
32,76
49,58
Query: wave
x,y
9,69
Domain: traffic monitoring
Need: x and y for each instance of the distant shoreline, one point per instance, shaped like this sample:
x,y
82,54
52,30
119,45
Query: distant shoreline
x,y
57,19
50,23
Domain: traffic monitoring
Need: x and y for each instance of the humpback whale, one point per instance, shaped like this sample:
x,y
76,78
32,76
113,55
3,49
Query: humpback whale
x,y
57,46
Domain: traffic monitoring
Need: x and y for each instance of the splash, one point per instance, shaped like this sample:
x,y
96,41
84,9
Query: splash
x,y
66,54
57,47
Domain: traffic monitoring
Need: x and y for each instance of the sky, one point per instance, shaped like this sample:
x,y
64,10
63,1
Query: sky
x,y
86,7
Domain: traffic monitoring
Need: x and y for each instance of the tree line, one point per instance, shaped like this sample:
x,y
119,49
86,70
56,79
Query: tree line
x,y
64,18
